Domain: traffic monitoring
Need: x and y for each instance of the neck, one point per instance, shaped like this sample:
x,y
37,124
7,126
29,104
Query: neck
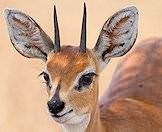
x,y
95,124
90,123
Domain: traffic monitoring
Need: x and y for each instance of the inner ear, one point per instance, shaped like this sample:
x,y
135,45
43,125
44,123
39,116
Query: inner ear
x,y
117,35
26,35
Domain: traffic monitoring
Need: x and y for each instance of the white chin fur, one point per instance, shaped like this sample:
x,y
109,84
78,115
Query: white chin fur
x,y
77,119
76,124
71,118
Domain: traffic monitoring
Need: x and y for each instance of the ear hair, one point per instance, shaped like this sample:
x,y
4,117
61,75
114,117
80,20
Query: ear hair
x,y
118,35
27,36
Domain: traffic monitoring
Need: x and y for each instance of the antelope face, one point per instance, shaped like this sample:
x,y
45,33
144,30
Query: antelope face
x,y
72,84
71,73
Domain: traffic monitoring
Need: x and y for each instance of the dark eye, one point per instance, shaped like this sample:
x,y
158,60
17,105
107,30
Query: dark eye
x,y
85,80
46,78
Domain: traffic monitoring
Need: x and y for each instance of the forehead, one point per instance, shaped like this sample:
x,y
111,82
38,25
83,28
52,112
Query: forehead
x,y
68,62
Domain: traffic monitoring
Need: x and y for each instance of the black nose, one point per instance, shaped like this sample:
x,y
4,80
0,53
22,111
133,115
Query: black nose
x,y
55,106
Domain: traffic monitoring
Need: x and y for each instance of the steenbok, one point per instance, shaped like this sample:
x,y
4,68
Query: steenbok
x,y
133,103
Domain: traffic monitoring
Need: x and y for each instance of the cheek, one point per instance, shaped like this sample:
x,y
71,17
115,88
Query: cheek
x,y
85,101
48,92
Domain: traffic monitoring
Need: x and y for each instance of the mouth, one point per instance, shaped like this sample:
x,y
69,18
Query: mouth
x,y
59,116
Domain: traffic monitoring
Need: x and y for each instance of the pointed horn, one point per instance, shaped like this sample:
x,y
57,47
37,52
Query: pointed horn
x,y
83,32
56,33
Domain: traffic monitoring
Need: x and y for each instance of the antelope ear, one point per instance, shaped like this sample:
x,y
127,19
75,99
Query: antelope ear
x,y
26,35
118,35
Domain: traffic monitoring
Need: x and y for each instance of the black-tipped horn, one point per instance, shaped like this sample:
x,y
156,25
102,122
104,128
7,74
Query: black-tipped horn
x,y
83,32
56,33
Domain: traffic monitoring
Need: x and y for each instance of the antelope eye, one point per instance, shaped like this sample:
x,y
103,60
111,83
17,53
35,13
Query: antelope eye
x,y
85,80
46,77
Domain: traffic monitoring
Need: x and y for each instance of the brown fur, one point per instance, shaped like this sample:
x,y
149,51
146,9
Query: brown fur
x,y
133,102
69,63
129,99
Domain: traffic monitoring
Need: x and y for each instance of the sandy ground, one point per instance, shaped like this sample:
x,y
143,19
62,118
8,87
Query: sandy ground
x,y
22,96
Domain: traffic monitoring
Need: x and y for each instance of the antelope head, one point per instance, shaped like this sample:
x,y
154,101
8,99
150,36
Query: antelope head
x,y
72,73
